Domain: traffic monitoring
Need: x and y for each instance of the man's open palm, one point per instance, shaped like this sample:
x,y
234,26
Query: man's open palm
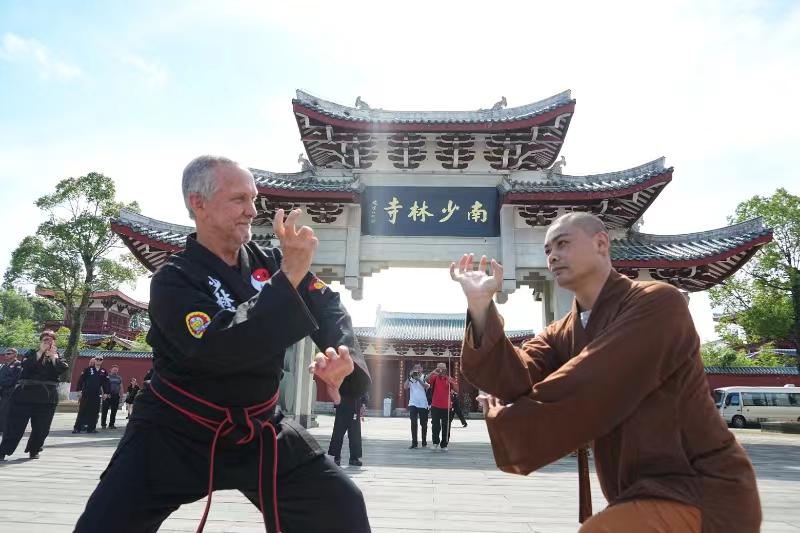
x,y
478,286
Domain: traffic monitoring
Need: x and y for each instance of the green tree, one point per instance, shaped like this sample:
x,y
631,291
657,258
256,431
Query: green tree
x,y
140,343
761,303
19,333
45,310
15,305
71,251
719,354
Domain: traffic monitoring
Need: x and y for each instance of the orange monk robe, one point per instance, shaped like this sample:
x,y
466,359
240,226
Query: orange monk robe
x,y
631,382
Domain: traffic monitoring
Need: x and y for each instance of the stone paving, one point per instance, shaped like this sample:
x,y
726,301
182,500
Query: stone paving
x,y
459,491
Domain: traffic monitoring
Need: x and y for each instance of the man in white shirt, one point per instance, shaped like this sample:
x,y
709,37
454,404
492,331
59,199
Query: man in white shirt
x,y
417,404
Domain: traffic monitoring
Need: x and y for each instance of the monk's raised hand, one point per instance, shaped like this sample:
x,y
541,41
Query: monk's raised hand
x,y
332,367
298,246
479,287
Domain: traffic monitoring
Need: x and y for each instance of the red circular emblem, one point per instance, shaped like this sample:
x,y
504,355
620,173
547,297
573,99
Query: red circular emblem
x,y
261,274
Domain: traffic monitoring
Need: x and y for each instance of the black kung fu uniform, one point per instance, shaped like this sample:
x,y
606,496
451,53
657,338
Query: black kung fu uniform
x,y
92,384
34,398
220,333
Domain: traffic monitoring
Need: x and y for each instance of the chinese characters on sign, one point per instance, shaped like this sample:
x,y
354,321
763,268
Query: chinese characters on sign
x,y
434,211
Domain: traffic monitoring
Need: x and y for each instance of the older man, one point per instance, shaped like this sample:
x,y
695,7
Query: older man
x,y
223,313
622,370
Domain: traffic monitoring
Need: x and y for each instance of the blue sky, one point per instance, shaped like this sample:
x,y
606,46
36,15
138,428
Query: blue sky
x,y
136,89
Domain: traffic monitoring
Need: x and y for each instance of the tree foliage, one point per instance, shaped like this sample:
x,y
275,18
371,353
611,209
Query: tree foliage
x,y
71,252
761,303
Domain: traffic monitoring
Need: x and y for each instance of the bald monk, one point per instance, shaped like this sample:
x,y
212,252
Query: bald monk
x,y
622,370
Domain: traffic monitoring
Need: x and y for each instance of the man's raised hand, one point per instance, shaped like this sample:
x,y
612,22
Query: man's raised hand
x,y
298,246
478,286
332,367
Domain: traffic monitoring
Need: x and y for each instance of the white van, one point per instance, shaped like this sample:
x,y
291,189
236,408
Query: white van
x,y
740,406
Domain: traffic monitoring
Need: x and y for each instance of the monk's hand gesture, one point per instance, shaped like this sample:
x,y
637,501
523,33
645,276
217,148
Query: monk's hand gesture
x,y
332,367
478,286
298,245
490,404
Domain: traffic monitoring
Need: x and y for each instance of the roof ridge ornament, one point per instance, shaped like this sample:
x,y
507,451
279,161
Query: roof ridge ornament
x,y
305,164
361,104
556,168
501,104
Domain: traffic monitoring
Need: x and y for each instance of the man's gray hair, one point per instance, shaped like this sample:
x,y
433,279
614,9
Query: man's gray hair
x,y
198,177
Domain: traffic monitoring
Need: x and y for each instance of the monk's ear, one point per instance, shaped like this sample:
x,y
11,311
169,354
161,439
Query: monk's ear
x,y
603,243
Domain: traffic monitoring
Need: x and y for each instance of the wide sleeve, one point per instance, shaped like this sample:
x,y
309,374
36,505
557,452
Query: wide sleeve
x,y
501,369
211,339
651,337
81,380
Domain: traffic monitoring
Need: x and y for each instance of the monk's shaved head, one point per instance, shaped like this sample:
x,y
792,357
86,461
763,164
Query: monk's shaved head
x,y
590,224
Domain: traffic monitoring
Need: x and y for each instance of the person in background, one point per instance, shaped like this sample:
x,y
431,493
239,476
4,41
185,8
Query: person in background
x,y
34,398
130,396
92,387
440,381
112,399
9,374
417,404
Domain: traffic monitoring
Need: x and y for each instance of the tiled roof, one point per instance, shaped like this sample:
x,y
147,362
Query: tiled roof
x,y
160,232
422,326
510,114
611,181
646,247
302,181
754,370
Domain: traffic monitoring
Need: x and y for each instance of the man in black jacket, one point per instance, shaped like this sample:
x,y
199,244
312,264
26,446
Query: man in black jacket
x,y
9,374
34,398
223,313
92,387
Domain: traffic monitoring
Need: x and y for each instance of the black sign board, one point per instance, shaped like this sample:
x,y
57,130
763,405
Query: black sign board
x,y
430,211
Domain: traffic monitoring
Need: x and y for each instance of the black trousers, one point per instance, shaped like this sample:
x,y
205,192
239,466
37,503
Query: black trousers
x,y
5,402
455,410
88,411
155,470
40,416
440,426
347,420
112,402
417,413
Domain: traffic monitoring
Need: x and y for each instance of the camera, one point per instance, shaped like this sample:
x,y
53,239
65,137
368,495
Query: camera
x,y
415,375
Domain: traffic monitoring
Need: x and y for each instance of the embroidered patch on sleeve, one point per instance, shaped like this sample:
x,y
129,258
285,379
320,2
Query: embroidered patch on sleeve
x,y
317,285
197,322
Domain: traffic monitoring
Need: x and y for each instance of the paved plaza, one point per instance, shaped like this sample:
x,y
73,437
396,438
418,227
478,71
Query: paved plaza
x,y
459,491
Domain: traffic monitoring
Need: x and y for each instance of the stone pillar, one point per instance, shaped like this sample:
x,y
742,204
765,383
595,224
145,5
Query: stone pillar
x,y
562,301
352,278
507,251
304,385
547,303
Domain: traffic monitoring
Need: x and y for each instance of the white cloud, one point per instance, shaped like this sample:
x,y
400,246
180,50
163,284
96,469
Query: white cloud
x,y
153,73
19,49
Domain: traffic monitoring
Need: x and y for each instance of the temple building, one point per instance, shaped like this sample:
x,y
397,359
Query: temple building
x,y
112,319
419,188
